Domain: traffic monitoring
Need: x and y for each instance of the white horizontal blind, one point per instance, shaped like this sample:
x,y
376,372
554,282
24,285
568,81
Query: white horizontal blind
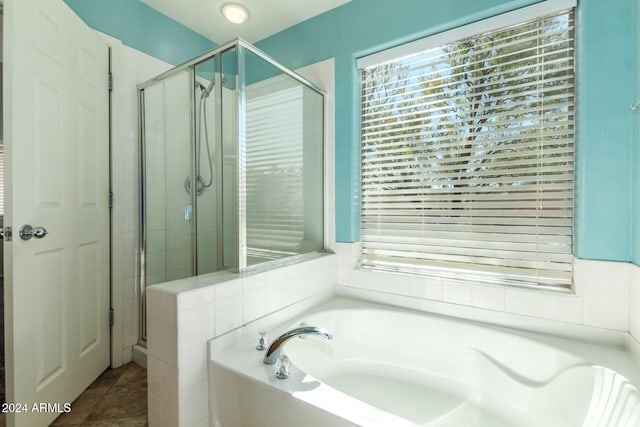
x,y
467,157
275,217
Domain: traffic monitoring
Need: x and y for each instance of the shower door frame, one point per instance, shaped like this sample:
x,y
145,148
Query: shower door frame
x,y
240,208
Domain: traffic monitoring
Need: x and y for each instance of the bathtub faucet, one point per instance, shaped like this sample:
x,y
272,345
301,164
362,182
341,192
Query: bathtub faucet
x,y
274,349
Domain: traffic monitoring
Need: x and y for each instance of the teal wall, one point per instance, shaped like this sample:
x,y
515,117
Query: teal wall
x,y
607,224
142,28
604,122
636,139
604,139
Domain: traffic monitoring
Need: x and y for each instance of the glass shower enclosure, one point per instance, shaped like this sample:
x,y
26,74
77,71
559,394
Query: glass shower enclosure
x,y
232,149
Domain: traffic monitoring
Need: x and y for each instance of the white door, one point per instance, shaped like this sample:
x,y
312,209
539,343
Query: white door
x,y
56,164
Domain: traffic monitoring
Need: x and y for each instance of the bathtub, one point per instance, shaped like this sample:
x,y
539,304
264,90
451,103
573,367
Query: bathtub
x,y
394,368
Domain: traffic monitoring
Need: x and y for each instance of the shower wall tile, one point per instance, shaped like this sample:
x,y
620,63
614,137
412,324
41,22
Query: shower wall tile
x,y
129,243
130,219
178,274
129,67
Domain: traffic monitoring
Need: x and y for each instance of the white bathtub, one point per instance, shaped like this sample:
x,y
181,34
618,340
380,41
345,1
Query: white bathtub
x,y
394,368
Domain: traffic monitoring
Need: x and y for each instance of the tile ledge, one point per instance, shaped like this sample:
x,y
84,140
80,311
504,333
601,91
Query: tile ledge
x,y
195,283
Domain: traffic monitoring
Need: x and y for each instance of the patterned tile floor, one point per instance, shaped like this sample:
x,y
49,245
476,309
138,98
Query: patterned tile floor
x,y
118,398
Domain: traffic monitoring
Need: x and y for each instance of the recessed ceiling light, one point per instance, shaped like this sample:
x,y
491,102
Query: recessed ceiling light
x,y
235,13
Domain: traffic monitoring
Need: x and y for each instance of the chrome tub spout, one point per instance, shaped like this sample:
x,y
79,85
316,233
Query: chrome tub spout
x,y
271,356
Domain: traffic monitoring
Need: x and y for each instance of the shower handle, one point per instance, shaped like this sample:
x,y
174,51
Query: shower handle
x,y
26,232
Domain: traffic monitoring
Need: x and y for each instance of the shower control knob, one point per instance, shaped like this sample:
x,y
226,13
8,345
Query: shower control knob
x,y
26,232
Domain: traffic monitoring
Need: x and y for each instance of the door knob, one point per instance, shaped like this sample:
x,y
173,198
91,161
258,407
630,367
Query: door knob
x,y
27,232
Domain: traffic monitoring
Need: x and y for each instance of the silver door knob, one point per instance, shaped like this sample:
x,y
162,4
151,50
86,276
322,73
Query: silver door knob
x,y
27,232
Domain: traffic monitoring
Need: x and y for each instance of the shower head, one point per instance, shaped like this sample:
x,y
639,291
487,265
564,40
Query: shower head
x,y
209,88
205,91
201,86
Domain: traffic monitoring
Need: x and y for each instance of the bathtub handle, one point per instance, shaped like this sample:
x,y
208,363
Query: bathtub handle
x,y
262,341
282,367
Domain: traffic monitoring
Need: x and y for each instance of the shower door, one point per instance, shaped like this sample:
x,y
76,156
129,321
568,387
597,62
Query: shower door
x,y
167,200
185,141
232,169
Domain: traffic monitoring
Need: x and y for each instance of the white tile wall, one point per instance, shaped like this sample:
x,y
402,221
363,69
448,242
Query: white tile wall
x,y
489,297
129,68
567,308
521,301
606,292
184,315
634,302
456,292
429,288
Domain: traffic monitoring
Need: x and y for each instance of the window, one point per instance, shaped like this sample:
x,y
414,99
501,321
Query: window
x,y
467,155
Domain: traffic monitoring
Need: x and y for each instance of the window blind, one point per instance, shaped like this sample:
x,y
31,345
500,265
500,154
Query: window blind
x,y
275,217
467,157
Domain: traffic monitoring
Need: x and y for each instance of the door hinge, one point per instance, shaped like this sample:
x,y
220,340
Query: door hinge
x,y
6,234
111,317
110,199
110,81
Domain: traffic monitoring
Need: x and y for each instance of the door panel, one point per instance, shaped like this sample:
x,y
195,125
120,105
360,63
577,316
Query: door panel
x,y
57,166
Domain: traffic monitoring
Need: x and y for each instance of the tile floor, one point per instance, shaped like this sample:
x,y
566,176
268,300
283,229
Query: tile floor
x,y
118,398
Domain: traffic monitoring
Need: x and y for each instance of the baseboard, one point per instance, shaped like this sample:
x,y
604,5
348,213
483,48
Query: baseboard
x,y
140,355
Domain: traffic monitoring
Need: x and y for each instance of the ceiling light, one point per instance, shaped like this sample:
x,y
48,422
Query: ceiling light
x,y
235,13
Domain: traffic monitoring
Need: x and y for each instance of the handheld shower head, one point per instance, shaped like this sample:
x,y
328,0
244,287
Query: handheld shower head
x,y
200,85
209,88
206,91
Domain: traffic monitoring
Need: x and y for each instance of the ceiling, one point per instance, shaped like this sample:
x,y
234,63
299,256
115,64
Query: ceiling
x,y
266,17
